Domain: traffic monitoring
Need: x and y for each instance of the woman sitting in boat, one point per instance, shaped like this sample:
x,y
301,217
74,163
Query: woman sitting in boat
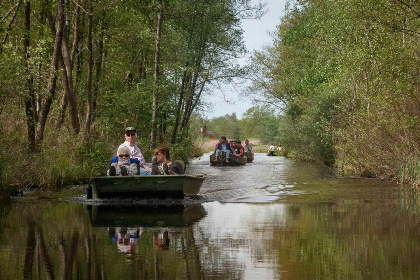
x,y
122,164
162,165
239,149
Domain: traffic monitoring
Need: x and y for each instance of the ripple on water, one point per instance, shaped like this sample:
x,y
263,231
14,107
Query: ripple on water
x,y
255,199
277,188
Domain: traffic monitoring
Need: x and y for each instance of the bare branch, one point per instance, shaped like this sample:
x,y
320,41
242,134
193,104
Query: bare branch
x,y
80,6
16,6
410,7
10,25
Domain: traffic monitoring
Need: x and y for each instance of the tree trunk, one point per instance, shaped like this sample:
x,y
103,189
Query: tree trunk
x,y
178,110
29,251
76,32
63,108
188,99
141,73
89,75
156,75
30,98
68,96
46,105
197,98
88,254
68,72
98,68
48,268
72,255
63,255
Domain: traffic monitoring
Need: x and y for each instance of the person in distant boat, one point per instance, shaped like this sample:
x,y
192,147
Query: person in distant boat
x,y
223,147
131,143
232,144
248,147
162,165
271,150
161,240
239,149
123,165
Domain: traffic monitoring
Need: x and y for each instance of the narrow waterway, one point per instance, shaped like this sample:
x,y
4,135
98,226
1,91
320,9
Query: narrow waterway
x,y
275,218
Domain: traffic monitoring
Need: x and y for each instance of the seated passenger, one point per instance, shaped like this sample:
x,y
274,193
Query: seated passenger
x,y
131,143
123,165
239,149
162,165
248,147
223,147
271,150
232,144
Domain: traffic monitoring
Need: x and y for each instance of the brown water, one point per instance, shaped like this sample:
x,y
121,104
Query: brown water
x,y
273,219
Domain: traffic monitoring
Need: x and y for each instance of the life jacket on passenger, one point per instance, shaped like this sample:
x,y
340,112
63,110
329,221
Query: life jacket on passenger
x,y
132,160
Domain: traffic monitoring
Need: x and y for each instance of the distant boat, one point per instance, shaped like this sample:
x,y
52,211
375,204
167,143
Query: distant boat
x,y
232,161
249,156
147,186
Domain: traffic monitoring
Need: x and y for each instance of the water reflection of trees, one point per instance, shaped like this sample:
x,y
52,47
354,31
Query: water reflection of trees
x,y
50,241
349,240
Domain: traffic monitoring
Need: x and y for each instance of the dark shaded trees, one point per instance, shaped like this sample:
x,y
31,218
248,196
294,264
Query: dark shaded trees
x,y
93,67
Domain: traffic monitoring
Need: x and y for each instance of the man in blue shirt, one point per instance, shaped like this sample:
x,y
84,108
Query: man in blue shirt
x,y
223,147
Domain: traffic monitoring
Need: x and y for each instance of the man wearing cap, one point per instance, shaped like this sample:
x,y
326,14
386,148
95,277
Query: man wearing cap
x,y
131,144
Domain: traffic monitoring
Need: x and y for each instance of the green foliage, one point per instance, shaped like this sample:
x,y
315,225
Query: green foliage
x,y
198,44
409,172
346,75
258,122
261,123
227,126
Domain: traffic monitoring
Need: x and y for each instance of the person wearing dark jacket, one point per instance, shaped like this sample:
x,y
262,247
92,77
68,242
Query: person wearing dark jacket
x,y
239,149
162,165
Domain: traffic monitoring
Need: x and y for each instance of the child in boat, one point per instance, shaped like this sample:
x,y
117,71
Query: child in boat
x,y
123,165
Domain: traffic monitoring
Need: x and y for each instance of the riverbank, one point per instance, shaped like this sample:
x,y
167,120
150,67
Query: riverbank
x,y
407,174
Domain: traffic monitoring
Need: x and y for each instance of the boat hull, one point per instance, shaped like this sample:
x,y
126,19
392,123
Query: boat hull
x,y
233,160
176,186
145,215
249,157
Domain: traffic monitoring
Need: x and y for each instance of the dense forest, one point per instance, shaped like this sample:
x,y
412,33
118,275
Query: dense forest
x,y
75,73
347,75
